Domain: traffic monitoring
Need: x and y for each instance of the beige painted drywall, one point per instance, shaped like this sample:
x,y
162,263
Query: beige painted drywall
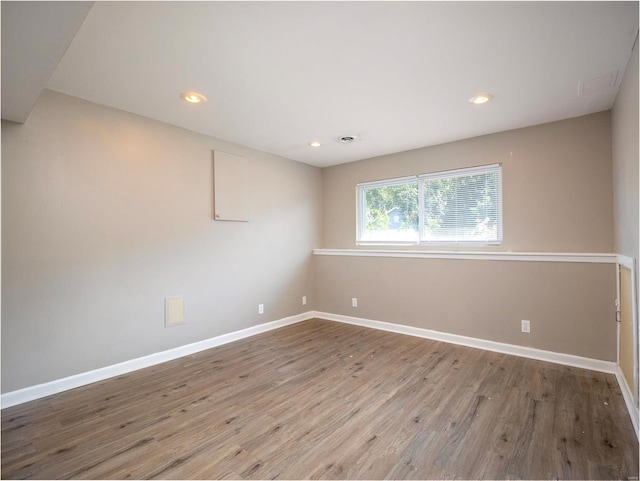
x,y
570,305
557,184
105,213
557,194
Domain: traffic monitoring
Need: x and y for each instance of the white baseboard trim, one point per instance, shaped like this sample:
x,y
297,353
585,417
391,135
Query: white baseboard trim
x,y
528,352
628,399
53,387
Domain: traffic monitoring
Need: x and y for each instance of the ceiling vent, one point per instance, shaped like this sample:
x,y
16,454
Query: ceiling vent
x,y
598,83
347,139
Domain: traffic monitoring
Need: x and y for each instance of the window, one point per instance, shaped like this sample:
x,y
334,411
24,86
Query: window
x,y
381,203
456,206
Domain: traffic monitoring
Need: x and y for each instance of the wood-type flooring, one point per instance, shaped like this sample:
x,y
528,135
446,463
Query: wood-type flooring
x,y
321,399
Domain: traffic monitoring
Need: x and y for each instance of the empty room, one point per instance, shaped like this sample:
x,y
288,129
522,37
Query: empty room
x,y
304,240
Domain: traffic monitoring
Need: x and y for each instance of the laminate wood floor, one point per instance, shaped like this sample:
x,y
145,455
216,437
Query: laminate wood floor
x,y
321,399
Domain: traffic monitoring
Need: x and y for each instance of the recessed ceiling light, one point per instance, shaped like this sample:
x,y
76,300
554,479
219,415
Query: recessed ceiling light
x,y
315,143
481,99
193,97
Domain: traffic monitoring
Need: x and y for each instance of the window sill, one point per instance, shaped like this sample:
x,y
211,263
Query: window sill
x,y
442,244
597,258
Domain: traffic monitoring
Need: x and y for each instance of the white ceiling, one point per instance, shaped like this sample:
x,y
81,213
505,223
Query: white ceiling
x,y
397,74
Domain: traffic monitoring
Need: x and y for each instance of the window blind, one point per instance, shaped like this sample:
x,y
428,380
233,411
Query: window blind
x,y
463,205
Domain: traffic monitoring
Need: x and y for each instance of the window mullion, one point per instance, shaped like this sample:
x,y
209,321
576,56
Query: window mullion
x,y
420,210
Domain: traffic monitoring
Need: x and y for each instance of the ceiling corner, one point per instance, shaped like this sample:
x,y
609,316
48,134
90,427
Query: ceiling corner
x,y
35,36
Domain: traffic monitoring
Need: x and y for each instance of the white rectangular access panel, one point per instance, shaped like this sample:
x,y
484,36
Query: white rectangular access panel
x,y
230,187
173,311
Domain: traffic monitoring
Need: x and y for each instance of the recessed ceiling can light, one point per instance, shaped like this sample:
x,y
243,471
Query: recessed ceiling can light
x,y
481,99
315,143
193,97
347,139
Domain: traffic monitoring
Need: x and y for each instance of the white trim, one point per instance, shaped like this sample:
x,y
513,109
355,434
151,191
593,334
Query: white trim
x,y
596,258
47,389
628,399
53,387
625,261
511,349
618,314
630,263
521,351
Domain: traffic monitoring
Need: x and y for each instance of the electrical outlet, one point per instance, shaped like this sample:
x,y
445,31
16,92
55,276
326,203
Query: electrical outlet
x,y
260,308
304,300
354,302
526,326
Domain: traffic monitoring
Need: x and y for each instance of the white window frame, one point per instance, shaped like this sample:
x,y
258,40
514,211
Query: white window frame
x,y
420,180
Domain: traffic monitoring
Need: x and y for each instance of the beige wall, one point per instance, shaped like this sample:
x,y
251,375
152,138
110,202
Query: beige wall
x,y
557,194
105,213
624,119
570,305
557,187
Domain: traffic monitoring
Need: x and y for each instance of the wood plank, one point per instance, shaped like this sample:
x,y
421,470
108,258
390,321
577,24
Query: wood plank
x,y
324,400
